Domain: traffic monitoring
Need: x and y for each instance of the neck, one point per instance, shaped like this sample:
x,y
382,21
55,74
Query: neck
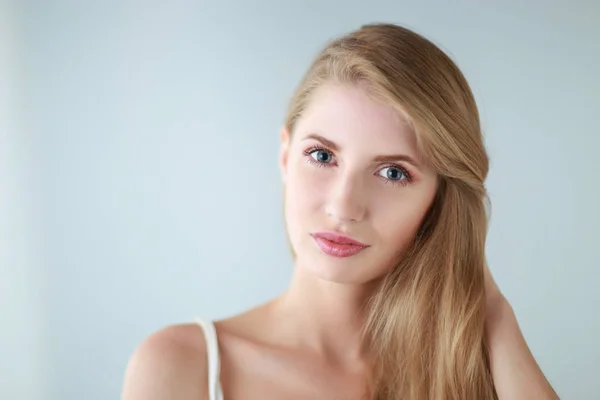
x,y
326,317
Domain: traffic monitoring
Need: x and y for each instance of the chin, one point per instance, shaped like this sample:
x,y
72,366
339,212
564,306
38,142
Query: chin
x,y
348,270
334,275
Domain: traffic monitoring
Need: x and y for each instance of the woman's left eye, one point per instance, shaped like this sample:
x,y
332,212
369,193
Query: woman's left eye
x,y
394,174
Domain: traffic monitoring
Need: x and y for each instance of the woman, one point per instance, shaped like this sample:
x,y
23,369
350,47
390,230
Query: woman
x,y
383,166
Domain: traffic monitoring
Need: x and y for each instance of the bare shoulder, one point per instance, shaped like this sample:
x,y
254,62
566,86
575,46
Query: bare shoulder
x,y
169,364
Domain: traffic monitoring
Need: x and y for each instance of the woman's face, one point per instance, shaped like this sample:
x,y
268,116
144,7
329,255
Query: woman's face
x,y
351,167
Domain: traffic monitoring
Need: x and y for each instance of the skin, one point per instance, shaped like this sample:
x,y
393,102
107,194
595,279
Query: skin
x,y
306,343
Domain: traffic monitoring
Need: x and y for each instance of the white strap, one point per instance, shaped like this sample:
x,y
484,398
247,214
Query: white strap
x,y
212,350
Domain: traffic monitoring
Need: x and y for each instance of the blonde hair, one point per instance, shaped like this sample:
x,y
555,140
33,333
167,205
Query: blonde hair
x,y
425,325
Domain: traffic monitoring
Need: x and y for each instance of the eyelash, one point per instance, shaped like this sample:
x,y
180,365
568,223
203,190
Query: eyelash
x,y
404,171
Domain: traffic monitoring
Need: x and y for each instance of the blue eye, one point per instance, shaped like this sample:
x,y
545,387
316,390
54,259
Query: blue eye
x,y
320,155
393,173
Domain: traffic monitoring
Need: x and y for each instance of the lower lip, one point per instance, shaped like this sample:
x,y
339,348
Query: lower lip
x,y
338,249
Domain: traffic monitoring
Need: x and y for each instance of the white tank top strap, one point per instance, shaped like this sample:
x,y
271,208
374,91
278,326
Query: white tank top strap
x,y
214,364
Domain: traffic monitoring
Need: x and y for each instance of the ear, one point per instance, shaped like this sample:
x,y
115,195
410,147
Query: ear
x,y
284,151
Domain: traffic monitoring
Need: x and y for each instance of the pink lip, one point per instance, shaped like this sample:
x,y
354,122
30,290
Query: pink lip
x,y
337,245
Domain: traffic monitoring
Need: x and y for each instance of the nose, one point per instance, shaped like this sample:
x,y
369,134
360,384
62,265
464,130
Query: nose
x,y
348,199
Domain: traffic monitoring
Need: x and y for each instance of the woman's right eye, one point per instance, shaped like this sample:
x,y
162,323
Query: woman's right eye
x,y
319,155
322,156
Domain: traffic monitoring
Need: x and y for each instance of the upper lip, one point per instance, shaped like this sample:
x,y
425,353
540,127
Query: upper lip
x,y
337,237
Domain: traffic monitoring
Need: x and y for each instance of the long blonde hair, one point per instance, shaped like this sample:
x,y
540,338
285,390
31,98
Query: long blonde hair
x,y
425,325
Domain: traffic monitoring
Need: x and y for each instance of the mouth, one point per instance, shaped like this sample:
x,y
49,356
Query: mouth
x,y
338,245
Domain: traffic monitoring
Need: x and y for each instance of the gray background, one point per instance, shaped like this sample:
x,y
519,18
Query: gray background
x,y
139,183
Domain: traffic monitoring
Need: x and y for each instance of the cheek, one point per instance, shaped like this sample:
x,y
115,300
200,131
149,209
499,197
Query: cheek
x,y
305,187
304,196
402,230
398,225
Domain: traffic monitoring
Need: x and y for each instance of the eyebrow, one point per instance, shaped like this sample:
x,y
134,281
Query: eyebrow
x,y
382,158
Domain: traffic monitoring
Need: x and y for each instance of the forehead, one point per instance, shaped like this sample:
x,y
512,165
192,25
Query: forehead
x,y
347,114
